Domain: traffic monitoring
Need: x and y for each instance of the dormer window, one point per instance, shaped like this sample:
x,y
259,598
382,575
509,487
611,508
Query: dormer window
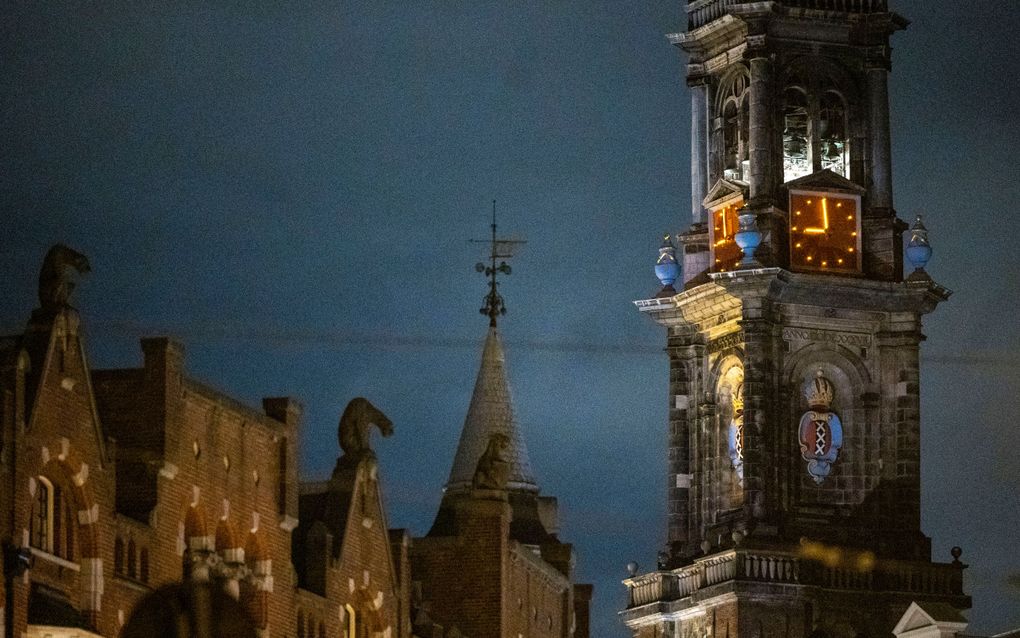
x,y
825,231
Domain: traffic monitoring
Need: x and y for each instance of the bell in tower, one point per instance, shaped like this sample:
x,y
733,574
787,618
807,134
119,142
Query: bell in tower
x,y
793,439
790,96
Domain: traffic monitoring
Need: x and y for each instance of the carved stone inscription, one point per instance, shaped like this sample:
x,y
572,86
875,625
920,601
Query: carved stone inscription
x,y
726,341
828,336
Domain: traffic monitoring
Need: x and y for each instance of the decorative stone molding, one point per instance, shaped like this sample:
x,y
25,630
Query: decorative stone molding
x,y
82,475
89,516
288,523
92,583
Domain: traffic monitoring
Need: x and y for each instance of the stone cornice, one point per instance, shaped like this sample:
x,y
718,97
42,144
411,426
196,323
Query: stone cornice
x,y
710,304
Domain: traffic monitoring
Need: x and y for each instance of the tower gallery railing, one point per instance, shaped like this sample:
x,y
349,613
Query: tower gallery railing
x,y
702,12
772,567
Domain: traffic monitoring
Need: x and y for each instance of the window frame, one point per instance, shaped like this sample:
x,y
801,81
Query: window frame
x,y
736,200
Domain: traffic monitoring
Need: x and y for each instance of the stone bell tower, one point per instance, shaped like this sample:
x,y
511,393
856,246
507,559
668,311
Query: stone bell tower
x,y
794,426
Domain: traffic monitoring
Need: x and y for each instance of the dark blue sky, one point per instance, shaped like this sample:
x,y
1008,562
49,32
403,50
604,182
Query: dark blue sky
x,y
289,188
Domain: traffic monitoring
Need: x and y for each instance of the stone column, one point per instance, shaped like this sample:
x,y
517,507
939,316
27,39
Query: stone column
x,y
758,357
685,360
759,117
881,203
699,147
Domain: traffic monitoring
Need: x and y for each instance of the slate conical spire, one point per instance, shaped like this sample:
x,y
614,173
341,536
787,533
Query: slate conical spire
x,y
491,410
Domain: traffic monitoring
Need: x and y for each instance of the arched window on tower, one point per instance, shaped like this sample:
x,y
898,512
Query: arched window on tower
x,y
732,129
796,149
815,127
832,133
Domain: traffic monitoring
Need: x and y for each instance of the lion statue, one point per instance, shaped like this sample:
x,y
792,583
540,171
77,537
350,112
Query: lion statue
x,y
493,470
353,432
56,281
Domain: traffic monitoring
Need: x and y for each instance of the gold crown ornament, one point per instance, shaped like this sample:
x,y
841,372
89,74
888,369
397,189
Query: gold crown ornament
x,y
819,392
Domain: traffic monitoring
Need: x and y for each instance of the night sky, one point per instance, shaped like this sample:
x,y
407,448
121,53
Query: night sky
x,y
289,189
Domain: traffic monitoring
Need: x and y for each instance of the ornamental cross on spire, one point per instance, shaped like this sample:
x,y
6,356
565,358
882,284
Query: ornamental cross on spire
x,y
500,248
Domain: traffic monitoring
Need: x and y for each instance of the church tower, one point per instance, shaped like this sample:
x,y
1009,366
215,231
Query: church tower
x,y
793,342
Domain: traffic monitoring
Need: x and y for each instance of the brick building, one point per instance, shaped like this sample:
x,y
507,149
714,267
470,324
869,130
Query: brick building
x,y
517,578
794,415
117,481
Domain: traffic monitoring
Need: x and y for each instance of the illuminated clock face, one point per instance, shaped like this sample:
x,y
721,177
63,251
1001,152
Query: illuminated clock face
x,y
825,232
726,254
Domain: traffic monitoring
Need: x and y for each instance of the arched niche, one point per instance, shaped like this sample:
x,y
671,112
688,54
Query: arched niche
x,y
850,379
726,431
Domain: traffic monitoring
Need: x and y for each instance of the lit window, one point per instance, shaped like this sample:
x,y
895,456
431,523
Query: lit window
x,y
725,252
826,235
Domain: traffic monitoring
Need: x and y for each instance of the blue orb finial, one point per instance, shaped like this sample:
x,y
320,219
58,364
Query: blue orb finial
x,y
748,237
666,267
918,248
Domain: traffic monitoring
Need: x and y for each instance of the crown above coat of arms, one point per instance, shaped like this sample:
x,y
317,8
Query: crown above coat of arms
x,y
819,392
737,399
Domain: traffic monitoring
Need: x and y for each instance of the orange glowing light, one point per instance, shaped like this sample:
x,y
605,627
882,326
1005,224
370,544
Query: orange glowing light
x,y
819,240
724,227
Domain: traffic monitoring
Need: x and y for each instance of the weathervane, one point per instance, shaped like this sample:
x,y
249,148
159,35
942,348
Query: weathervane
x,y
499,248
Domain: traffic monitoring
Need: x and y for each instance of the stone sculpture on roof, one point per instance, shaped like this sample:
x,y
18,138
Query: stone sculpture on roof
x,y
56,279
355,423
493,470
